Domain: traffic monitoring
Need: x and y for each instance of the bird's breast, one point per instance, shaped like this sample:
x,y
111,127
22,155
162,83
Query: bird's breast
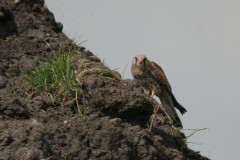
x,y
138,74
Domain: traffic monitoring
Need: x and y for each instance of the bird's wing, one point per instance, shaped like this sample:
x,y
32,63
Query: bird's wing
x,y
158,74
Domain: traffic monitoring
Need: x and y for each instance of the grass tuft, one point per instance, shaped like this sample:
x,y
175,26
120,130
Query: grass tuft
x,y
194,131
55,77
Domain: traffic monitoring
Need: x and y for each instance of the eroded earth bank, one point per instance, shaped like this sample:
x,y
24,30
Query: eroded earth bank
x,y
116,125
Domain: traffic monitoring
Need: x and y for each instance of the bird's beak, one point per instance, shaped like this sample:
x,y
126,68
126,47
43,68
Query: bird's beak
x,y
140,60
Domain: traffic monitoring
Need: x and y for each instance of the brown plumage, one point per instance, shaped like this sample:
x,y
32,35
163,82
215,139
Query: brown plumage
x,y
154,82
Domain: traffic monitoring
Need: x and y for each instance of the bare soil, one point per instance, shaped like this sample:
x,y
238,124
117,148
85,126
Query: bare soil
x,y
117,124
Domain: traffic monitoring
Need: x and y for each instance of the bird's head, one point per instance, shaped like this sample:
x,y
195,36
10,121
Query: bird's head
x,y
140,60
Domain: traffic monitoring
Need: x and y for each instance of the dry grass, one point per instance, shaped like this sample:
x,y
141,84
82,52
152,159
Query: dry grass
x,y
100,71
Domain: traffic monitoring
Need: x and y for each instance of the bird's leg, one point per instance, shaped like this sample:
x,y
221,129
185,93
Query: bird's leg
x,y
153,93
153,117
148,91
145,90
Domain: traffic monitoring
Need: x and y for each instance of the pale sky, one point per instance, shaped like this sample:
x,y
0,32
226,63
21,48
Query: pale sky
x,y
197,43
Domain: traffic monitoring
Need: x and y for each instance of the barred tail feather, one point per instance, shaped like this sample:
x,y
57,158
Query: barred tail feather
x,y
181,108
171,112
175,102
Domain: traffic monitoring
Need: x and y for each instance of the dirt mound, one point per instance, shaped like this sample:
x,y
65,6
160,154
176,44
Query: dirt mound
x,y
117,123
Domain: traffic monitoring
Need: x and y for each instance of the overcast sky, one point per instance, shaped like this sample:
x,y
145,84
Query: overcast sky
x,y
197,43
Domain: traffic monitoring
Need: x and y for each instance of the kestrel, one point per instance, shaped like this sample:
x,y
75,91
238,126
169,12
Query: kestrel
x,y
154,82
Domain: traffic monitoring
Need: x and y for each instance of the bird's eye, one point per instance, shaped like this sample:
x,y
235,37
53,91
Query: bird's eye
x,y
136,59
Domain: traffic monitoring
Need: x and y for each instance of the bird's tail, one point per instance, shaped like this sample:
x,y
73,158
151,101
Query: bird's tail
x,y
169,110
175,102
181,108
